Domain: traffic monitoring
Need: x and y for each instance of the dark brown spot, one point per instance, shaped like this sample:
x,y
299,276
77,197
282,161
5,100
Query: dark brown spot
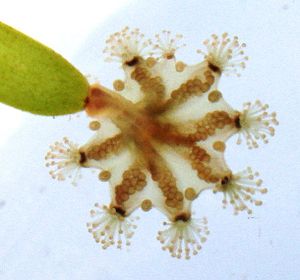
x,y
184,217
120,211
169,56
86,101
133,61
237,122
225,180
83,158
214,68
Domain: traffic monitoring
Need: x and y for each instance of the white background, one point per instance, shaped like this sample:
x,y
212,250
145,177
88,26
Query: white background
x,y
42,222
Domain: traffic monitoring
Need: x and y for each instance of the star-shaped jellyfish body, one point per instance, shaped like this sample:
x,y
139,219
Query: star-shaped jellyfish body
x,y
160,136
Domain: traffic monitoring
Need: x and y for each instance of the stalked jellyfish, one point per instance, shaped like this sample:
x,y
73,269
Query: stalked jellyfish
x,y
160,138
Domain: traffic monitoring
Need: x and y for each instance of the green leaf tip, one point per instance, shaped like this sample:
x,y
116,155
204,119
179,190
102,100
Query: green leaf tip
x,y
34,78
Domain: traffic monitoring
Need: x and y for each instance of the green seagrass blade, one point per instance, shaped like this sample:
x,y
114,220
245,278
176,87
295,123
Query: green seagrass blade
x,y
34,78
